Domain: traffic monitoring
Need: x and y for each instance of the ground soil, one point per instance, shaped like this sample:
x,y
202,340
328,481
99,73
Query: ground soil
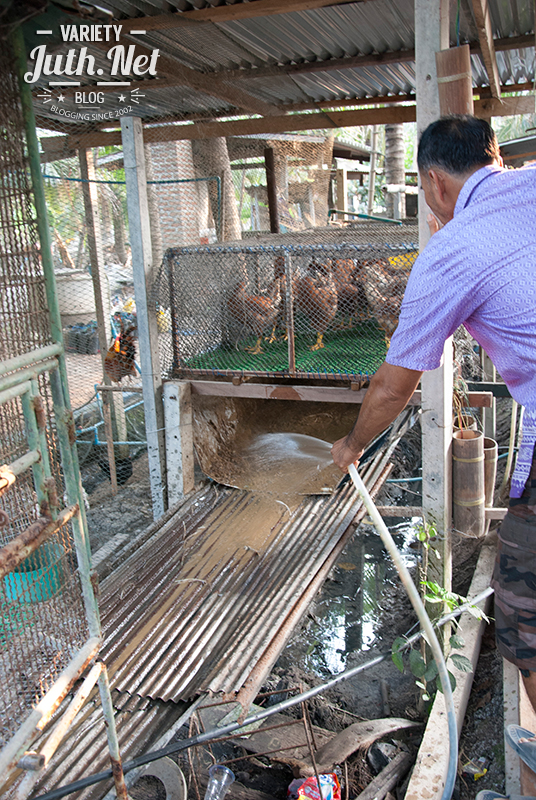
x,y
353,700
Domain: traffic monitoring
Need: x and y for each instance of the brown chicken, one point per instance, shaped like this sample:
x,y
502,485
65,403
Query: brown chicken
x,y
120,358
351,297
257,312
385,283
316,296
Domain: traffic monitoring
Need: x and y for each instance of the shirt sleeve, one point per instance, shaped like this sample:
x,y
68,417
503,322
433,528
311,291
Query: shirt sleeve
x,y
437,300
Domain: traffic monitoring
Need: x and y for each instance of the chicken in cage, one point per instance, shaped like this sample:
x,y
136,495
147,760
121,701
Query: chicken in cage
x,y
322,304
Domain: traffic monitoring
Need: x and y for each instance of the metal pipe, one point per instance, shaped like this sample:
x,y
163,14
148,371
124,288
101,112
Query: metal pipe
x,y
42,712
14,392
111,733
10,472
14,552
34,443
27,359
30,373
103,388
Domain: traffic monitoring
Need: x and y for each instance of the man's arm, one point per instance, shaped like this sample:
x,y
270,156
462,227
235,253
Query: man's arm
x,y
389,391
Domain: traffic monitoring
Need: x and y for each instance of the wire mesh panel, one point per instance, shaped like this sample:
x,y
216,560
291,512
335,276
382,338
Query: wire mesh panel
x,y
42,618
320,304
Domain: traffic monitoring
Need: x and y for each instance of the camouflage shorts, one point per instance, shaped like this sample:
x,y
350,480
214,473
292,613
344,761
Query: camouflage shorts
x,y
514,580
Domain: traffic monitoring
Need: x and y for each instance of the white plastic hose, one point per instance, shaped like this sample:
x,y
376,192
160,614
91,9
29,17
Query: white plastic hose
x,y
426,625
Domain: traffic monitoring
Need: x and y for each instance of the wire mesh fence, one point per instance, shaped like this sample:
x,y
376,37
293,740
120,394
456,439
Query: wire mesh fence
x,y
42,620
320,304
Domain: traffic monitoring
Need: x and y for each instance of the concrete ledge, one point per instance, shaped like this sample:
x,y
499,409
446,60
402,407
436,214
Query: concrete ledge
x,y
430,771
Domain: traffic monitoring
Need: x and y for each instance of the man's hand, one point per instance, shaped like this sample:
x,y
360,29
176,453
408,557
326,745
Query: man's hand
x,y
343,455
433,224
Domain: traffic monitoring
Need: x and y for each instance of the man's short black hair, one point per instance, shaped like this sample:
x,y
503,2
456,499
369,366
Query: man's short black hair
x,y
457,144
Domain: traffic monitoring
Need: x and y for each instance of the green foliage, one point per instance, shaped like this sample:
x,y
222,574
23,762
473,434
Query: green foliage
x,y
426,672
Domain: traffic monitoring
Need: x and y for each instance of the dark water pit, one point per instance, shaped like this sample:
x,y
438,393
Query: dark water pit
x,y
360,610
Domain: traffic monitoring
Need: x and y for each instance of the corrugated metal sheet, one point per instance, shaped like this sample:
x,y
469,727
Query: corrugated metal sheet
x,y
305,36
141,726
194,609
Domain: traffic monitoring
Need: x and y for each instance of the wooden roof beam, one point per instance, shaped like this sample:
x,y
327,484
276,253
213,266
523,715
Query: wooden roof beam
x,y
179,75
255,8
487,45
280,124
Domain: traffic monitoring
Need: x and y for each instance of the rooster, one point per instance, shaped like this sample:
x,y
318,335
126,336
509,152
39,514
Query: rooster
x,y
316,296
385,283
258,312
120,358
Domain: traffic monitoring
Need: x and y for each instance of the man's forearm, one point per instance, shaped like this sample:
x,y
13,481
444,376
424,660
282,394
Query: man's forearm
x,y
388,394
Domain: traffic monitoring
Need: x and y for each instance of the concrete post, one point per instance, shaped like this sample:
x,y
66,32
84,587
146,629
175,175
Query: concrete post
x,y
431,36
142,267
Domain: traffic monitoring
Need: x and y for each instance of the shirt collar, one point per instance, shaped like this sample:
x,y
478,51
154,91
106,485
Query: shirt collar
x,y
472,183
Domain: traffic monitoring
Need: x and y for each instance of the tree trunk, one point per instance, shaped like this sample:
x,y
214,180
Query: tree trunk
x,y
211,158
119,235
394,166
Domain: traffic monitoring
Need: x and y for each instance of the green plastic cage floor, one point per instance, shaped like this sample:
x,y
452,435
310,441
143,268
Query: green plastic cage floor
x,y
349,352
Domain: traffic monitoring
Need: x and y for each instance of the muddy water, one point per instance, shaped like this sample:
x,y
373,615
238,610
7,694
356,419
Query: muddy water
x,y
347,615
284,465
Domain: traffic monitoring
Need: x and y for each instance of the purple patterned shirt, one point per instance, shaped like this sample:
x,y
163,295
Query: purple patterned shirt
x,y
480,271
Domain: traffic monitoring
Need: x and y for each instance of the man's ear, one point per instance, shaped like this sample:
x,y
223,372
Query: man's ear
x,y
437,179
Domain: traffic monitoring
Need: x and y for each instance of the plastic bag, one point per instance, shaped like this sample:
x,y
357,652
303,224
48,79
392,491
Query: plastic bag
x,y
307,789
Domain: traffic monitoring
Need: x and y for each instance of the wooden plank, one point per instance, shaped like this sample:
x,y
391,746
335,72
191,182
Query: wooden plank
x,y
455,80
257,8
387,778
281,124
400,511
505,106
487,46
206,130
319,394
429,773
496,513
179,440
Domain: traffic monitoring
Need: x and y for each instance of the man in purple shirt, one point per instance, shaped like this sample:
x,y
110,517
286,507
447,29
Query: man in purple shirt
x,y
478,270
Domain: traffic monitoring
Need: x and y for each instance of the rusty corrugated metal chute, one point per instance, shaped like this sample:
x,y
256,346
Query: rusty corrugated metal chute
x,y
206,605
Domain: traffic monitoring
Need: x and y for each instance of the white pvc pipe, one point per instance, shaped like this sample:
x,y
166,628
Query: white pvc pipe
x,y
426,625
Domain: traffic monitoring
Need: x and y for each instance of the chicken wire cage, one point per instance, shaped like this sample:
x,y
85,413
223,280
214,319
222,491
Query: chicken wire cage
x,y
42,616
314,305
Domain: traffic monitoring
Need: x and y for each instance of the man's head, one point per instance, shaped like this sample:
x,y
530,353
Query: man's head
x,y
450,150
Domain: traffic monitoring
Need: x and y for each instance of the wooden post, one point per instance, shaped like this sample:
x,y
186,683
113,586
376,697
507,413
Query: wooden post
x,y
140,240
113,407
271,186
431,35
372,170
489,415
342,190
179,439
455,81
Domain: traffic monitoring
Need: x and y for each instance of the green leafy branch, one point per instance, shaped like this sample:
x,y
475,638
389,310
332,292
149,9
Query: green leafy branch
x,y
426,673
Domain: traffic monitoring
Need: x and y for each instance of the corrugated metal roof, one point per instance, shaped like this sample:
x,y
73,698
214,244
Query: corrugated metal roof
x,y
307,36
